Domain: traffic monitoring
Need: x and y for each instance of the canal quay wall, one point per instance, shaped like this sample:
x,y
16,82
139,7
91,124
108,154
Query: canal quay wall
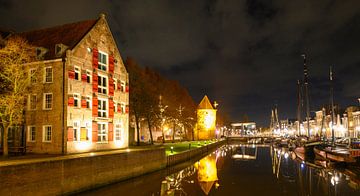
x,y
73,173
78,172
188,155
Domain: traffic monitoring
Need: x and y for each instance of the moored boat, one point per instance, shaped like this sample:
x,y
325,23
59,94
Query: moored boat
x,y
337,154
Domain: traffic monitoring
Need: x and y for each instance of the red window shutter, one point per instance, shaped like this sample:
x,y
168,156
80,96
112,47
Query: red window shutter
x,y
111,108
71,74
118,86
111,64
94,107
70,134
71,101
95,58
111,87
94,132
83,77
95,82
83,103
127,109
111,132
119,108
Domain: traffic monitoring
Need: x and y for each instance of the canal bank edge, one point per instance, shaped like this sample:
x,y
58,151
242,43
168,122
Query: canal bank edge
x,y
56,176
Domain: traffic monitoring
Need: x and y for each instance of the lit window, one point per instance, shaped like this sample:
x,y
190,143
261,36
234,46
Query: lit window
x,y
76,128
32,76
31,133
118,130
48,98
102,109
102,61
102,132
102,84
77,73
32,102
47,133
123,86
48,75
76,100
88,102
88,76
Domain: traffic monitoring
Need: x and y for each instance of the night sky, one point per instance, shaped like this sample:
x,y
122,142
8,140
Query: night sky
x,y
246,55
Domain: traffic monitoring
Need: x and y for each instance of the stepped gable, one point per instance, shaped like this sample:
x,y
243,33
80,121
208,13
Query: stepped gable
x,y
205,104
67,34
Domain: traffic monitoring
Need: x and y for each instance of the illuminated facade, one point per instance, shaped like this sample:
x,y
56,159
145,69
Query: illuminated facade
x,y
206,120
79,97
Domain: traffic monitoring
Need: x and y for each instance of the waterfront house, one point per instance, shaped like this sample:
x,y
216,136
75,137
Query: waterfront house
x,y
79,96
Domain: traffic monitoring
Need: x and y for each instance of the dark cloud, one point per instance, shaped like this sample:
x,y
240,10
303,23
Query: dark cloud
x,y
244,54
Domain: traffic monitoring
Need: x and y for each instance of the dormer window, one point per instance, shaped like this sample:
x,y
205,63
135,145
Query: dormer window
x,y
60,49
40,53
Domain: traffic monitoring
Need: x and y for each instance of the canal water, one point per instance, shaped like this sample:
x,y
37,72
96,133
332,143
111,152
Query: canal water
x,y
241,169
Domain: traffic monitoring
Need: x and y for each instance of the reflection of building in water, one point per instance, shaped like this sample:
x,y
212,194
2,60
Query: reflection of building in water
x,y
207,172
244,152
174,181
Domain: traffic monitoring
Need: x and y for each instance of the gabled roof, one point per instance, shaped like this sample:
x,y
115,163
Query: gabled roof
x,y
205,103
67,34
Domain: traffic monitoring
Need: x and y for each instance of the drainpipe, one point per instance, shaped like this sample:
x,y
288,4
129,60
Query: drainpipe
x,y
63,108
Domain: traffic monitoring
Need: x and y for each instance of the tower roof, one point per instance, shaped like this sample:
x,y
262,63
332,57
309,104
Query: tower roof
x,y
205,103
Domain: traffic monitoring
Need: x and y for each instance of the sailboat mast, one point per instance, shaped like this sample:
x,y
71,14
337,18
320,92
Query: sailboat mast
x,y
306,83
299,107
332,106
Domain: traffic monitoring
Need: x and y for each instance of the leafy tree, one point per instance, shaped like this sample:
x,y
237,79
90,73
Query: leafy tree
x,y
14,84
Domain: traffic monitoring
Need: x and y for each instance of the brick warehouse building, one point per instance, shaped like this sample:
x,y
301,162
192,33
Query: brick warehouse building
x,y
79,98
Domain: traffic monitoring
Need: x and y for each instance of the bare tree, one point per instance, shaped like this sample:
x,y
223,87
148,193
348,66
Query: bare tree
x,y
14,84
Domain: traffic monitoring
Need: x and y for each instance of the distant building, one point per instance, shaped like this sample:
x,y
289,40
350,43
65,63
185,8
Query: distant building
x,y
206,120
244,128
79,97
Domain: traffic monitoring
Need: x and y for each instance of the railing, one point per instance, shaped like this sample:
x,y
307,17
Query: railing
x,y
189,154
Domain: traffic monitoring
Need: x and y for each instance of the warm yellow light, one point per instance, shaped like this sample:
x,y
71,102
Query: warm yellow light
x,y
207,119
207,172
82,146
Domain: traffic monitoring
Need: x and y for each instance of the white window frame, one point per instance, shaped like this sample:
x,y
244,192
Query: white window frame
x,y
45,75
101,65
88,75
30,133
115,107
32,75
101,88
115,84
45,133
88,102
123,108
78,72
118,130
77,99
103,133
30,101
101,110
44,101
76,129
123,86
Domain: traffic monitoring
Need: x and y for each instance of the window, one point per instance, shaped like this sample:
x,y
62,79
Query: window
x,y
115,84
31,133
102,84
88,76
48,75
102,109
102,61
123,86
88,102
118,130
76,100
48,98
32,102
32,76
47,133
76,128
102,132
77,73
123,108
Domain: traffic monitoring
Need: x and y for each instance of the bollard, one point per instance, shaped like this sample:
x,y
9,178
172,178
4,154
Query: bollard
x,y
189,146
